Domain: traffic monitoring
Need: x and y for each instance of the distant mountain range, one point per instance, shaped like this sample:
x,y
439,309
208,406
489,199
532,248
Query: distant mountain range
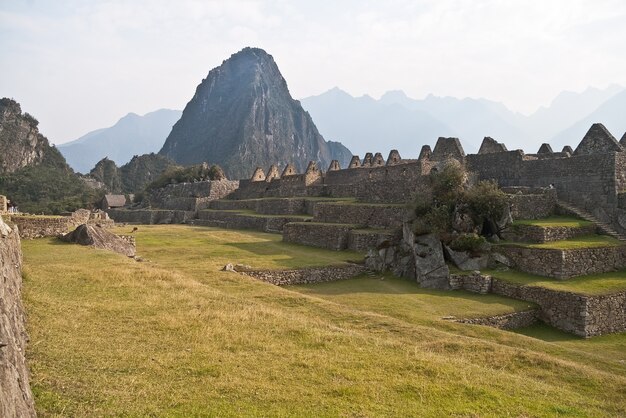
x,y
364,124
131,135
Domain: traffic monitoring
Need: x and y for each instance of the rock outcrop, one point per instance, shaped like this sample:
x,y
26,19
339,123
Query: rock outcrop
x,y
420,258
133,176
33,174
98,237
21,144
242,116
16,399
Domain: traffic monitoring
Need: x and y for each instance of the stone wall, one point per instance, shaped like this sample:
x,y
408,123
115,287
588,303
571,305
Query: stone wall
x,y
368,215
605,314
509,321
582,315
533,203
475,283
32,226
233,220
307,275
564,264
538,234
331,236
280,206
590,182
16,399
391,183
366,239
151,216
191,196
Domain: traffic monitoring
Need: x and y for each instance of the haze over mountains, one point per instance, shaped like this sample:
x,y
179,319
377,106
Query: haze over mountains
x,y
248,118
131,135
363,123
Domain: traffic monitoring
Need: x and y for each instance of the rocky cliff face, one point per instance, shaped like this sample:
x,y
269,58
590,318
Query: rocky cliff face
x,y
133,176
242,116
33,174
21,144
16,399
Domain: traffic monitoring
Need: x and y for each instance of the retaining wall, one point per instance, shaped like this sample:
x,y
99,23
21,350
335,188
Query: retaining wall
x,y
510,321
42,226
538,234
307,275
331,236
372,215
16,399
151,216
233,220
583,315
364,240
564,264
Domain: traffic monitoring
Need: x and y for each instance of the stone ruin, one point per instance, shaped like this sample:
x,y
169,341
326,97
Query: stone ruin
x,y
590,180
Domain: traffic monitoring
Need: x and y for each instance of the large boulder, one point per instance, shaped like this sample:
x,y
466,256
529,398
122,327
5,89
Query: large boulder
x,y
431,269
98,237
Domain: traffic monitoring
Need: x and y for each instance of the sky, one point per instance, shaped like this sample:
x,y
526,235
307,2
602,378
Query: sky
x,y
79,65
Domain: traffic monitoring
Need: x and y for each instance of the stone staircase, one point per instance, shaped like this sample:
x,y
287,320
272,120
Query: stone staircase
x,y
603,227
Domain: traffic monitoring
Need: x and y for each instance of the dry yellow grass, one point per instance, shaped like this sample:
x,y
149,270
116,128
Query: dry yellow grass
x,y
174,336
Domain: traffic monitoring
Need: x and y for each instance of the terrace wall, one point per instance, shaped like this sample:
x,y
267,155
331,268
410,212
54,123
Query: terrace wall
x,y
564,264
32,226
307,275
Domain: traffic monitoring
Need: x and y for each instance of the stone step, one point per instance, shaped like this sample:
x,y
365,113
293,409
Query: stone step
x,y
602,226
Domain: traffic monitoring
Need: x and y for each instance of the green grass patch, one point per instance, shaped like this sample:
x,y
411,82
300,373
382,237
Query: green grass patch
x,y
567,221
174,336
586,241
593,284
251,213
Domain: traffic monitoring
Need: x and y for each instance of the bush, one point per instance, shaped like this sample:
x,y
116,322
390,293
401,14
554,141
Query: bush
x,y
446,194
447,185
486,201
468,242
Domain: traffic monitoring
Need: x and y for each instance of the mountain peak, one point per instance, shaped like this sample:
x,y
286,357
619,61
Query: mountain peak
x,y
243,116
394,95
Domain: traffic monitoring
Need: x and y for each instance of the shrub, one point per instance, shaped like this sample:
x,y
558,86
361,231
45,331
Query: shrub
x,y
486,201
468,242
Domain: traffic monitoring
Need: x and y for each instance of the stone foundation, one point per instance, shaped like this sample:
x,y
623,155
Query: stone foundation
x,y
307,275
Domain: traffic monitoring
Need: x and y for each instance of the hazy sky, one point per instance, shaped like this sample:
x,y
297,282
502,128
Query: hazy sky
x,y
81,65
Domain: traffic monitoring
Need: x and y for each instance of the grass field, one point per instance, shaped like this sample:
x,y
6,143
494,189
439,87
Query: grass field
x,y
593,284
174,336
554,221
